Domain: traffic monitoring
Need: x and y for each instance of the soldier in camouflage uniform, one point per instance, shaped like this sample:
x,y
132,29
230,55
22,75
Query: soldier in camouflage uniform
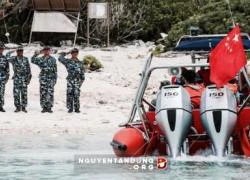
x,y
75,79
47,78
22,77
4,75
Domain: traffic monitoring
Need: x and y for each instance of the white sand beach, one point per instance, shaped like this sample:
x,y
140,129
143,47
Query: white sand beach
x,y
106,96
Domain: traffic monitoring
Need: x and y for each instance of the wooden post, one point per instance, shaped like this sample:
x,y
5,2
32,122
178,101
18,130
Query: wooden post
x,y
6,30
64,6
32,27
88,25
88,32
33,4
108,38
78,19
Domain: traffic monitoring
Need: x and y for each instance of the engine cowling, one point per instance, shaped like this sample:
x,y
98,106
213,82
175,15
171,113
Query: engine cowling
x,y
174,116
219,116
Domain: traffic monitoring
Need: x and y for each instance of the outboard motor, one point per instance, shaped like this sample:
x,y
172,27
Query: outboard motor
x,y
219,116
174,116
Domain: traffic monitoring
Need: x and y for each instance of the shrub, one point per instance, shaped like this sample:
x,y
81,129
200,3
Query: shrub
x,y
158,50
248,55
92,63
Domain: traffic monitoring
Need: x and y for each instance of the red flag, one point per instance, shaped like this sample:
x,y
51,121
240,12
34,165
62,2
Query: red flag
x,y
227,58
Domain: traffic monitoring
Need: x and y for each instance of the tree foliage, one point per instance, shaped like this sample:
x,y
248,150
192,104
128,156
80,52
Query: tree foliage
x,y
144,19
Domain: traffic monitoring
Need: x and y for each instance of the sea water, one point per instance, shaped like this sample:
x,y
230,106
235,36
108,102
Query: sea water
x,y
52,157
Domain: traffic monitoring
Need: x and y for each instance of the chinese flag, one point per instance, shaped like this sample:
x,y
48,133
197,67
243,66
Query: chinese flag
x,y
227,58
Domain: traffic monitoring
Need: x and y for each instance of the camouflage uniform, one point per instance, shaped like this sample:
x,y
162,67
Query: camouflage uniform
x,y
75,79
4,76
22,77
47,78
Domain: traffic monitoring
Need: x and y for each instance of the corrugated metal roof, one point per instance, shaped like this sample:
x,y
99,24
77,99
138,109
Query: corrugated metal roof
x,y
53,22
56,5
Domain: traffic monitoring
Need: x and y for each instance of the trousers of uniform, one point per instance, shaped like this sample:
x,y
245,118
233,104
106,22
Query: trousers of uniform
x,y
20,93
47,93
2,91
73,94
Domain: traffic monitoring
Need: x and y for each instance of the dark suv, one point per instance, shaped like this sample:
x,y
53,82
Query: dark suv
x,y
205,42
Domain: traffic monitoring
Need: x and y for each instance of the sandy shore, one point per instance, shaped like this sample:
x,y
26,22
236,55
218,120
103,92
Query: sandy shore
x,y
106,96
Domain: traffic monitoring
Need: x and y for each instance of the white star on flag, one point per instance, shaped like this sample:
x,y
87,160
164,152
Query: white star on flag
x,y
229,41
227,45
236,38
227,58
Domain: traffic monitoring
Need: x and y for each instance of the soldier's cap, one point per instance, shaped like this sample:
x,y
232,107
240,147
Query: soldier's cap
x,y
20,48
75,50
46,48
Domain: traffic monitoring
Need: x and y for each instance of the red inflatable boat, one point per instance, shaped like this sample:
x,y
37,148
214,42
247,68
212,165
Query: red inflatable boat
x,y
170,127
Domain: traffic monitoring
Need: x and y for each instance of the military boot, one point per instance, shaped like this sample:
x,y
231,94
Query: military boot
x,y
49,110
2,109
77,111
24,109
18,109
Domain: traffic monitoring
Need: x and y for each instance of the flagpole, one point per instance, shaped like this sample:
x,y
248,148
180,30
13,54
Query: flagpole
x,y
245,75
231,13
